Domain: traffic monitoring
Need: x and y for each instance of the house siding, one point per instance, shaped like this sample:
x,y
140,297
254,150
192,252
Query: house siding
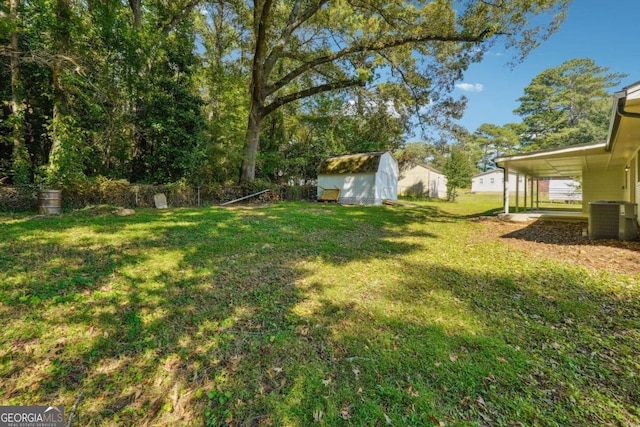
x,y
563,190
636,170
492,182
603,185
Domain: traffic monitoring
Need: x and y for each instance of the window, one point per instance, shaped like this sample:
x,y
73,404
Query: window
x,y
480,180
493,180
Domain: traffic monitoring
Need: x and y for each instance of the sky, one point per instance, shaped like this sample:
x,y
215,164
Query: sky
x,y
603,30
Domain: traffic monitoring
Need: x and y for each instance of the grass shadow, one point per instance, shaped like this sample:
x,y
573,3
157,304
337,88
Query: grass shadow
x,y
295,314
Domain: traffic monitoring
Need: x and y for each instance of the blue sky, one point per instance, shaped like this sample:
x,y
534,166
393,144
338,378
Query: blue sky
x,y
604,30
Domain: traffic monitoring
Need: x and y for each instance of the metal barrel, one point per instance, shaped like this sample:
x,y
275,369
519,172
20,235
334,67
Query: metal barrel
x,y
49,202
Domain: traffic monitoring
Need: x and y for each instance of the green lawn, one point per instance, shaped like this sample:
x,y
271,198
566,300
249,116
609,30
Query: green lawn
x,y
302,314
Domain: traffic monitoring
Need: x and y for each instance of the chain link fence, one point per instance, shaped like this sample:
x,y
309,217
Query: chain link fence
x,y
123,194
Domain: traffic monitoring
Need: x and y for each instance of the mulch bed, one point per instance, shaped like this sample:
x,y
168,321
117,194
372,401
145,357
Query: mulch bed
x,y
568,242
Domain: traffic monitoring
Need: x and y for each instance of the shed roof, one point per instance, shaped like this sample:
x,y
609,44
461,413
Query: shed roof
x,y
351,163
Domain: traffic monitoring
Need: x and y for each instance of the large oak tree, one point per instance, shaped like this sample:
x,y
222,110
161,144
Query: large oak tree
x,y
301,48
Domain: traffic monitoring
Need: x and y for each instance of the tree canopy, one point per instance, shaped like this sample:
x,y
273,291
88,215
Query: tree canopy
x,y
202,90
459,169
495,141
567,105
305,47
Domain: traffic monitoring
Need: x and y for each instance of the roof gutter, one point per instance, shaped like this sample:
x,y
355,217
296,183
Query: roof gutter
x,y
619,113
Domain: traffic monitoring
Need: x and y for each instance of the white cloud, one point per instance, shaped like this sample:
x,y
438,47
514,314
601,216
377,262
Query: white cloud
x,y
470,87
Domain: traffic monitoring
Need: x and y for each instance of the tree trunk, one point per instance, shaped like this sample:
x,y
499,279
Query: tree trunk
x,y
136,10
20,155
258,78
251,144
15,73
62,38
56,114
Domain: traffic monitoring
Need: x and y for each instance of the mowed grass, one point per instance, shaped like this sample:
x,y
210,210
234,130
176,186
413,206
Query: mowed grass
x,y
299,314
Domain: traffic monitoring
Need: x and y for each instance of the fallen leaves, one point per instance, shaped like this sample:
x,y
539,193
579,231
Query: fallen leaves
x,y
387,419
345,412
356,371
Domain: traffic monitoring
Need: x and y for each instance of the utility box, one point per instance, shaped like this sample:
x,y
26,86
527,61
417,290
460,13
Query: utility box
x,y
610,219
628,221
604,219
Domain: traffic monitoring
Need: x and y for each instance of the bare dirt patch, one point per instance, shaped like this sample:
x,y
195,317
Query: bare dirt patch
x,y
566,242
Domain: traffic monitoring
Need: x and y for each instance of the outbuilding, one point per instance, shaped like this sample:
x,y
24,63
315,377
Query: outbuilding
x,y
418,179
362,179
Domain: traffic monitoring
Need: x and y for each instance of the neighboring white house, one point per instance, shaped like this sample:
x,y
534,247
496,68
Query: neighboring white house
x,y
562,189
364,179
421,180
493,182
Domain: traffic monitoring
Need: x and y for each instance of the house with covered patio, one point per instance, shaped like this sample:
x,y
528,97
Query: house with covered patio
x,y
608,170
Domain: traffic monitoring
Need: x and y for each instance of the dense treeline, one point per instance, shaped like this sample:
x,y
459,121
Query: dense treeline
x,y
214,91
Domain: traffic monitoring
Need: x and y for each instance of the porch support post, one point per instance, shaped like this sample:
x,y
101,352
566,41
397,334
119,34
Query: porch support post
x,y
531,201
517,192
526,193
505,189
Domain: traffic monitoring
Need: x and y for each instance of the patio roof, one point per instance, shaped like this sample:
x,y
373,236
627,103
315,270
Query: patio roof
x,y
622,143
567,161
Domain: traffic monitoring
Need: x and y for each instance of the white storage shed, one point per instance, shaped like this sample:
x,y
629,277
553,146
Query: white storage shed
x,y
363,179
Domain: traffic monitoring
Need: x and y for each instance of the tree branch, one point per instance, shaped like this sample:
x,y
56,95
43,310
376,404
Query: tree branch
x,y
500,4
375,46
283,100
166,29
414,95
292,25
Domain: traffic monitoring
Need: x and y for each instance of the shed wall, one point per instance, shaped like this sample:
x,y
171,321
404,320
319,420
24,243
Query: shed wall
x,y
421,180
386,180
354,189
365,188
